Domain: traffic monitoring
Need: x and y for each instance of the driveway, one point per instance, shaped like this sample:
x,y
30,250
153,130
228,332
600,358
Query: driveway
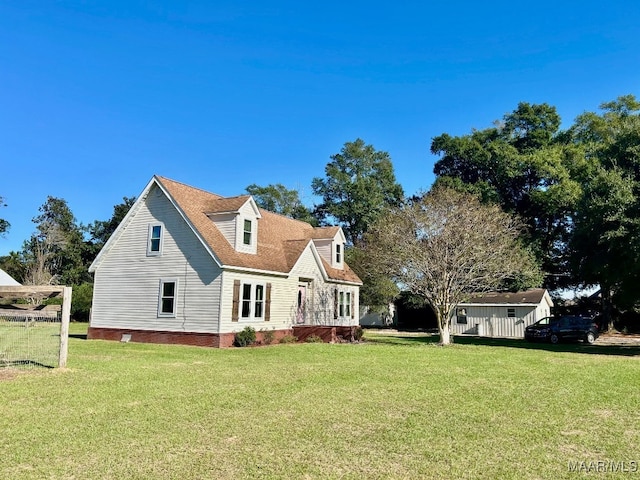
x,y
618,339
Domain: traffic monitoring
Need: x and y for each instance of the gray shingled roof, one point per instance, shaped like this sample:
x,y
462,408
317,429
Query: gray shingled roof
x,y
528,297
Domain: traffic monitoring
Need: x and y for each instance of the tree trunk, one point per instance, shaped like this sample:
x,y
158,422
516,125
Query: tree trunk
x,y
443,328
607,308
445,335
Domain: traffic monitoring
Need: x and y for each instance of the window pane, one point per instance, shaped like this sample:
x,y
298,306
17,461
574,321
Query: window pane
x,y
246,308
347,305
154,241
168,289
246,292
246,300
341,304
167,305
259,301
167,300
247,232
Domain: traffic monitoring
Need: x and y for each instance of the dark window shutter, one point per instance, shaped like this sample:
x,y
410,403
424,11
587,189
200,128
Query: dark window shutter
x,y
335,304
236,300
267,304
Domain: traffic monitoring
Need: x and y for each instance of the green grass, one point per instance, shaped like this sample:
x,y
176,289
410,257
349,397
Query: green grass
x,y
392,407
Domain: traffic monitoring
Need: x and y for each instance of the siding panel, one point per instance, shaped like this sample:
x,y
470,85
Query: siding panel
x,y
226,223
282,307
494,322
127,281
324,249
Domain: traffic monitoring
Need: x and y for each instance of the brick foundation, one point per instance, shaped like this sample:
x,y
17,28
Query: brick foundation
x,y
154,336
214,340
278,334
327,333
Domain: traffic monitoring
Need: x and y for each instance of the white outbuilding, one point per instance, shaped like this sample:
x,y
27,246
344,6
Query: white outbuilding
x,y
504,314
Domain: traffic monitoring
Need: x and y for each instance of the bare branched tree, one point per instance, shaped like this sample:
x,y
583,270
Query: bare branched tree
x,y
446,246
43,248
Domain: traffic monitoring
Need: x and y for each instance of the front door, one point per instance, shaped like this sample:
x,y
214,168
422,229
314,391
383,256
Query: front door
x,y
302,300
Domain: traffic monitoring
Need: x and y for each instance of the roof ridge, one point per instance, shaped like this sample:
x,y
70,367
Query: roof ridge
x,y
160,177
282,215
234,196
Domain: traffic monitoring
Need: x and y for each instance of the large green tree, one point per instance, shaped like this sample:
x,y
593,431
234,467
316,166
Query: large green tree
x,y
14,265
279,199
605,245
530,168
359,184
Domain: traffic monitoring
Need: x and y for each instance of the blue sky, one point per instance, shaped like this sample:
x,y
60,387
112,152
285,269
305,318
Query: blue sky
x,y
97,97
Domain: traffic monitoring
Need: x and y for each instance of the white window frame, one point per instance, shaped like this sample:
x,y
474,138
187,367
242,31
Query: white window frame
x,y
246,232
462,316
338,253
259,301
252,301
347,304
151,238
344,304
161,298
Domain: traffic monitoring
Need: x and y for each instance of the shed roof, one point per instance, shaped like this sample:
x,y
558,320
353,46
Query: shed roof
x,y
7,280
532,296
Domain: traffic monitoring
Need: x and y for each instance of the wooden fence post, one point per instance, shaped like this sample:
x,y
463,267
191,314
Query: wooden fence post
x,y
64,327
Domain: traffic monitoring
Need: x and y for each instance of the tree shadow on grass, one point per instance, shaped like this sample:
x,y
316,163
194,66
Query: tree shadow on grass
x,y
402,338
79,336
573,347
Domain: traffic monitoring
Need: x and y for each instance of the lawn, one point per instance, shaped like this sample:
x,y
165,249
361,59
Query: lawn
x,y
392,407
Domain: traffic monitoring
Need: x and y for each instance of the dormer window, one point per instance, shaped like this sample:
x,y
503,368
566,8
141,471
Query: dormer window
x,y
338,253
246,239
238,219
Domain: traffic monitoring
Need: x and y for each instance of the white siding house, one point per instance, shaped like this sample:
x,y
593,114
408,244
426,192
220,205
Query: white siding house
x,y
501,314
189,266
